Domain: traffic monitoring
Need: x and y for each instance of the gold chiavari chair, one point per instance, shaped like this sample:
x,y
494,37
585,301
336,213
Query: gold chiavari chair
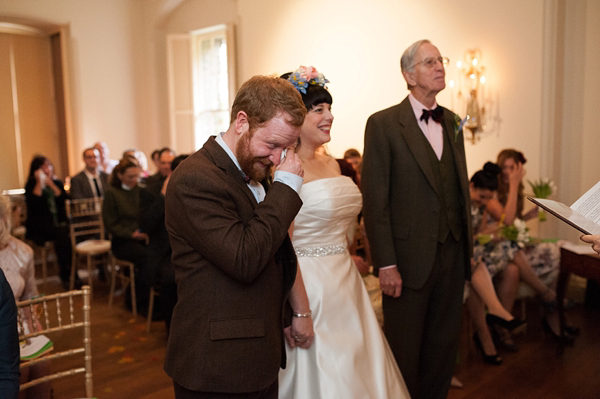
x,y
58,313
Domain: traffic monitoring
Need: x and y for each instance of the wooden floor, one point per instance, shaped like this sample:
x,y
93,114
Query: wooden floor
x,y
127,361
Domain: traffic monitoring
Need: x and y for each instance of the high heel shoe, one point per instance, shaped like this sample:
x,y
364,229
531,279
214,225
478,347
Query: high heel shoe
x,y
504,343
489,359
510,325
565,338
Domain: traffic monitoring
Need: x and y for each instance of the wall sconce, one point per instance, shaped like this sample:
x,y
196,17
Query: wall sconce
x,y
471,88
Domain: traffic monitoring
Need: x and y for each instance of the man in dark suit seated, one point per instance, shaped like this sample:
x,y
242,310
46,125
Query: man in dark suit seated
x,y
90,182
234,262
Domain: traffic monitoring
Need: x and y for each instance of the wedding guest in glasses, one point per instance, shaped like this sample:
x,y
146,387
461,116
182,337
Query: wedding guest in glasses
x,y
90,182
417,218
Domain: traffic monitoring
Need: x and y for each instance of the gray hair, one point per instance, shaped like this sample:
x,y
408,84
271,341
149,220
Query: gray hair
x,y
407,62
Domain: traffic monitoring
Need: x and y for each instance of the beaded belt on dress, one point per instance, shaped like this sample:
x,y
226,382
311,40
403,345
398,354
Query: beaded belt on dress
x,y
321,251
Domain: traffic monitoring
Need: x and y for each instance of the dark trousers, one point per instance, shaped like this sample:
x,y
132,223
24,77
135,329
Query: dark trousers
x,y
136,252
271,392
60,237
423,325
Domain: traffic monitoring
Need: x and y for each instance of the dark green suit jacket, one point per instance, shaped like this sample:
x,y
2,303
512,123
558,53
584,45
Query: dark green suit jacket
x,y
401,195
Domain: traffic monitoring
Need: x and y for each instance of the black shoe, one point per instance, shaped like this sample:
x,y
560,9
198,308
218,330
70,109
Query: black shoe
x,y
565,339
510,325
489,359
508,346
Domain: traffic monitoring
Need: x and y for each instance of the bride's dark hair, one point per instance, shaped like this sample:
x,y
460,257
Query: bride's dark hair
x,y
315,94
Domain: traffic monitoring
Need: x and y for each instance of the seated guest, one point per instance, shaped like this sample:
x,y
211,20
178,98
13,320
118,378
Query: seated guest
x,y
46,217
9,342
482,186
165,157
141,159
120,212
154,156
152,222
507,262
90,182
16,262
106,164
544,257
353,157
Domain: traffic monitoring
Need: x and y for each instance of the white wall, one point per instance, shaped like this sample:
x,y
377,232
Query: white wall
x,y
118,62
358,46
102,45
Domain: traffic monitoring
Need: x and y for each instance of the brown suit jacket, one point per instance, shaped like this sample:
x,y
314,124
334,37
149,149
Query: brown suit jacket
x,y
234,266
401,200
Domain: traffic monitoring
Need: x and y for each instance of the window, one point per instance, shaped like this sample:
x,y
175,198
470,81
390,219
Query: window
x,y
201,85
211,83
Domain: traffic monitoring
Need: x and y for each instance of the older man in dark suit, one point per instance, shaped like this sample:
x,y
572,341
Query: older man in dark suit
x,y
233,260
90,182
416,209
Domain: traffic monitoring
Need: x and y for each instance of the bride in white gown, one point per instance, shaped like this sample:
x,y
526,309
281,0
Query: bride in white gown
x,y
348,356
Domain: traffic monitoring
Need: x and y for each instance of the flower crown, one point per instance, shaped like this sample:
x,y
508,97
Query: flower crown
x,y
304,76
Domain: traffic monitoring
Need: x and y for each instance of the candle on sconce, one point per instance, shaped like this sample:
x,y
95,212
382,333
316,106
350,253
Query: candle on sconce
x,y
482,81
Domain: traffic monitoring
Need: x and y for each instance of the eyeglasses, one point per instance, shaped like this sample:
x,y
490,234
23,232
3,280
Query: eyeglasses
x,y
430,62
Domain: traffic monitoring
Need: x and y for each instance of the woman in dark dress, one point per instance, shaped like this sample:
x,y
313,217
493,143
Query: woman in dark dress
x,y
46,217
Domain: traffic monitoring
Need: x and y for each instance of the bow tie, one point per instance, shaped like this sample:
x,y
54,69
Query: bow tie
x,y
435,114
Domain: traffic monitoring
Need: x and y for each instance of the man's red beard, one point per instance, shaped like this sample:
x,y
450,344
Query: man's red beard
x,y
256,168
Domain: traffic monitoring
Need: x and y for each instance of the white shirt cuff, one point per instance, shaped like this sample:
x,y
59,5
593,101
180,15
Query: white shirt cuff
x,y
289,179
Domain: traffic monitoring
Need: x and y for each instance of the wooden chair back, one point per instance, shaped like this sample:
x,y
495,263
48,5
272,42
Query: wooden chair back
x,y
85,219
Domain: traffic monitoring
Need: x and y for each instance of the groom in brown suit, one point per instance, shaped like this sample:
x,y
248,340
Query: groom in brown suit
x,y
416,210
234,263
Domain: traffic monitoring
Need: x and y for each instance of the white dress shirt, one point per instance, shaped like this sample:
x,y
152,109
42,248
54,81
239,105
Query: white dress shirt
x,y
433,131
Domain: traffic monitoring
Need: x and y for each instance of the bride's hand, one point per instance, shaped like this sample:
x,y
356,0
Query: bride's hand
x,y
300,333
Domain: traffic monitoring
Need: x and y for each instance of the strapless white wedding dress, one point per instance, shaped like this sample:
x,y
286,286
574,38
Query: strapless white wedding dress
x,y
350,357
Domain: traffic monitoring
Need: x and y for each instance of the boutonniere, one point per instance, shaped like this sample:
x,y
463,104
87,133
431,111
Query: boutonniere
x,y
458,126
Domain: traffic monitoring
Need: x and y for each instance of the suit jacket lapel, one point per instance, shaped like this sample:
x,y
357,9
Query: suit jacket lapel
x,y
459,157
412,135
222,160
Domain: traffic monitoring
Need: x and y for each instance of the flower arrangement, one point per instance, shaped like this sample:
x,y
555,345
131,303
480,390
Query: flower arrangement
x,y
542,188
517,232
304,76
458,126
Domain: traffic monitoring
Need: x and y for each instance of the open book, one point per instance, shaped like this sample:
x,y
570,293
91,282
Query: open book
x,y
584,214
35,347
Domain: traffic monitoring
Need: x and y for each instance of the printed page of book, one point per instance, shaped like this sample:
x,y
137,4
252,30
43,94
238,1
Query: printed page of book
x,y
588,204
